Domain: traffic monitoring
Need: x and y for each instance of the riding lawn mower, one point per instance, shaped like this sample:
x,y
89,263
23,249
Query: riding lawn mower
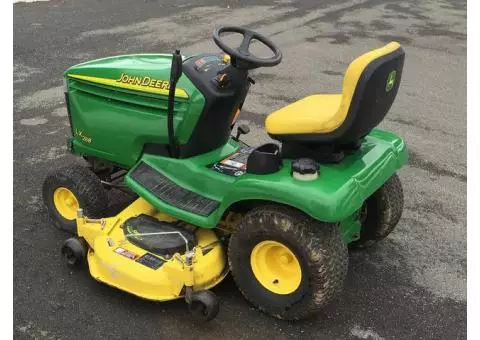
x,y
280,217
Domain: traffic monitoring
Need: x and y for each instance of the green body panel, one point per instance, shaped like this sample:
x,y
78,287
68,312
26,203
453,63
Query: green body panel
x,y
114,123
336,196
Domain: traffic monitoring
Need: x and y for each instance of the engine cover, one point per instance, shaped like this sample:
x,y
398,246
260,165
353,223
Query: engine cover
x,y
116,105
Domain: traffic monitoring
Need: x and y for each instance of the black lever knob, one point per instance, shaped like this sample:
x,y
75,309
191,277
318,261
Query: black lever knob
x,y
242,130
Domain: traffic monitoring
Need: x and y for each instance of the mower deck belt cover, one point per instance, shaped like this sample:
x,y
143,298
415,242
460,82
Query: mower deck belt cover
x,y
167,244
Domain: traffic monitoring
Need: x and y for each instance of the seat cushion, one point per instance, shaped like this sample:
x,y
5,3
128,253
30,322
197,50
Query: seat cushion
x,y
311,115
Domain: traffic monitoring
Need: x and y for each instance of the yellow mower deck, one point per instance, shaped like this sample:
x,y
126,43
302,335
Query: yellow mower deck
x,y
114,260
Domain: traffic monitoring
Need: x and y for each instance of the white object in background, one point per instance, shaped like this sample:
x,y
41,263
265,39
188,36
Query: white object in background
x,y
15,1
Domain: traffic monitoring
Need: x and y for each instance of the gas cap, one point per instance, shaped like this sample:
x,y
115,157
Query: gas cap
x,y
305,169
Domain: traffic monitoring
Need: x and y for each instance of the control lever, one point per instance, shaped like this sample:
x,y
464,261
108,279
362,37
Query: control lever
x,y
175,73
242,130
176,69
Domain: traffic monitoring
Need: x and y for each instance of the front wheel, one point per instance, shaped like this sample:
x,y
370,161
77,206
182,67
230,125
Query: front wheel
x,y
69,188
285,263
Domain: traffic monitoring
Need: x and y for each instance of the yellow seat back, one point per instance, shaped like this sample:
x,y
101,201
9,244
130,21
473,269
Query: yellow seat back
x,y
369,88
354,72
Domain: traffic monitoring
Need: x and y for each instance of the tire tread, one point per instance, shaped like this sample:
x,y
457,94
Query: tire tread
x,y
327,257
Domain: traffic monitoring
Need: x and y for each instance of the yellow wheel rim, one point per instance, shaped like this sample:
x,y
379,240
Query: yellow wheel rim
x,y
65,202
276,267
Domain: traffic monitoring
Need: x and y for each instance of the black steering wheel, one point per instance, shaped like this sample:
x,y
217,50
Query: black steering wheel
x,y
241,56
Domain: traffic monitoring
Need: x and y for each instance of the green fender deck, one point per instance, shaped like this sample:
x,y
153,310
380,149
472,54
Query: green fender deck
x,y
336,196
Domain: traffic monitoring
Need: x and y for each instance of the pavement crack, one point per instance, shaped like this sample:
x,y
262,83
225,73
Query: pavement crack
x,y
416,161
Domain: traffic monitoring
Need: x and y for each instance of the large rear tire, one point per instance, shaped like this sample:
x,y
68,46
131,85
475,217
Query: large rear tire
x,y
285,263
69,188
380,213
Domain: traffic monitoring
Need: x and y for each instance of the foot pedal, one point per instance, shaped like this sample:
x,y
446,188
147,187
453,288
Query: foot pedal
x,y
171,193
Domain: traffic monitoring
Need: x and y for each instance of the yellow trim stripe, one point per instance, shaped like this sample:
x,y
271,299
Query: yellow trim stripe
x,y
112,82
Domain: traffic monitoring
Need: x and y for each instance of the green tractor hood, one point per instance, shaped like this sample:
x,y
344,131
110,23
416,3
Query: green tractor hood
x,y
118,104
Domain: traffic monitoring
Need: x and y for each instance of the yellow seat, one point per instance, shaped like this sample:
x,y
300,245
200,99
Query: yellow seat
x,y
369,88
313,114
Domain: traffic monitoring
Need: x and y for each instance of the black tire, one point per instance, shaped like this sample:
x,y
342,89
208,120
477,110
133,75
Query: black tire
x,y
318,247
382,211
74,252
204,306
86,187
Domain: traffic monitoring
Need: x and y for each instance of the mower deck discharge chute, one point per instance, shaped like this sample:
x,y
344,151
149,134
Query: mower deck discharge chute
x,y
285,213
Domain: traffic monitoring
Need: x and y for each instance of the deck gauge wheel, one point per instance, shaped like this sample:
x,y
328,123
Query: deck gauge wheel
x,y
204,306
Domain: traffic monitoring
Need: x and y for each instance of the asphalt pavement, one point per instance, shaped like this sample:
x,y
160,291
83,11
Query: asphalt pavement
x,y
411,286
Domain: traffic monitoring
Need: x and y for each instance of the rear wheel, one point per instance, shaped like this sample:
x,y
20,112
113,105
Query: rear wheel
x,y
69,188
285,263
380,213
